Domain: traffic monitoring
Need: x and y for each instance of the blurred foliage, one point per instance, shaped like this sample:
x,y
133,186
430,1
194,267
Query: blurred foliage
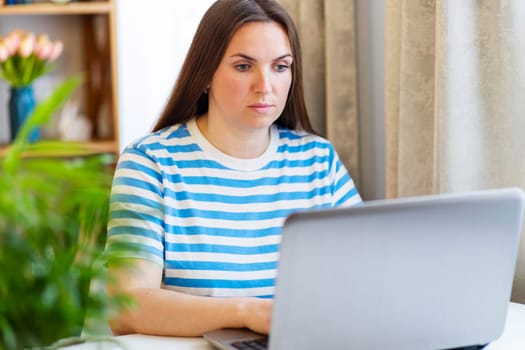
x,y
53,217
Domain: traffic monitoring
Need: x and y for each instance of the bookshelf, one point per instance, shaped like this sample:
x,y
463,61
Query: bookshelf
x,y
94,21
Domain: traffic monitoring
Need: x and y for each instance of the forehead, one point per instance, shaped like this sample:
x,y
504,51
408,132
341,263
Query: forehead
x,y
259,37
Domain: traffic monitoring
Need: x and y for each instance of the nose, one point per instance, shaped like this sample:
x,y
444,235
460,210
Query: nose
x,y
262,82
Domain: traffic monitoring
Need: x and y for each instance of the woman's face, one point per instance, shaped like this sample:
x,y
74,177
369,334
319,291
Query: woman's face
x,y
250,86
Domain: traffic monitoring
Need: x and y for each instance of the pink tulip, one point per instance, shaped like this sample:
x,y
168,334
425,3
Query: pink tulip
x,y
12,41
43,47
32,52
27,44
4,53
42,40
58,46
44,52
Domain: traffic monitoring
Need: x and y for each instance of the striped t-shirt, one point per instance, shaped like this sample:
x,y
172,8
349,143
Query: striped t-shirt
x,y
213,221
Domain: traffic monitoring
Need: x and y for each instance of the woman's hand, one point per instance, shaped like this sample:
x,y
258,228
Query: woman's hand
x,y
256,314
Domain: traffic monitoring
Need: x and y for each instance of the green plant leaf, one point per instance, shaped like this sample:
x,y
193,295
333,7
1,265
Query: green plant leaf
x,y
52,238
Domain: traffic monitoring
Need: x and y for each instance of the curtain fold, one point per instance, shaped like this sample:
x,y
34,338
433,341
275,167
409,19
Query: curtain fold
x,y
328,38
409,95
455,99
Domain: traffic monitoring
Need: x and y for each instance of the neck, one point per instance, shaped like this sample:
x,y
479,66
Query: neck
x,y
234,142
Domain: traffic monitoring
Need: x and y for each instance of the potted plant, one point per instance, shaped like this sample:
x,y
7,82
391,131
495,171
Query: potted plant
x,y
52,230
25,57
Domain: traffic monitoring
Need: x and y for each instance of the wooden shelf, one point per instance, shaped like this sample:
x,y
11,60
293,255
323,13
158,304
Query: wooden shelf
x,y
96,57
72,8
77,149
96,27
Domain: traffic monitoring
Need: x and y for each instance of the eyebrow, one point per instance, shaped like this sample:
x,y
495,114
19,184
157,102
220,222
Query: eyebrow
x,y
249,58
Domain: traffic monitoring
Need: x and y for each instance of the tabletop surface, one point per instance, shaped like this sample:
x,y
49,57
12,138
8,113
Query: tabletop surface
x,y
513,338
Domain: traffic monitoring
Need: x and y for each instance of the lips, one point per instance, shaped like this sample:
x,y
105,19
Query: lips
x,y
260,108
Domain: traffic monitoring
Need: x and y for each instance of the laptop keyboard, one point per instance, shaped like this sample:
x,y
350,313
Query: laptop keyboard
x,y
252,344
262,344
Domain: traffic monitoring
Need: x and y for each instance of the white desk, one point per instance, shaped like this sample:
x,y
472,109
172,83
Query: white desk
x,y
513,338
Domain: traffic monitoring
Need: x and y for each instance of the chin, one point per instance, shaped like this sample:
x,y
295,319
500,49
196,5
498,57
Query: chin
x,y
262,124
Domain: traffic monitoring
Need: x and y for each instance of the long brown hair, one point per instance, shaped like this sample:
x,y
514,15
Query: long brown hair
x,y
210,42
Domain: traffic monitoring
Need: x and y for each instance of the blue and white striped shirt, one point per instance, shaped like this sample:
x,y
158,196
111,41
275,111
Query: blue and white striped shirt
x,y
213,221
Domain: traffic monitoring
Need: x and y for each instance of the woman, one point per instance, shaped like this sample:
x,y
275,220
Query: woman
x,y
205,195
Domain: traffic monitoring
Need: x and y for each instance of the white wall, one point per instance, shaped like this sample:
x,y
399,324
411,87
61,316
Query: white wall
x,y
152,40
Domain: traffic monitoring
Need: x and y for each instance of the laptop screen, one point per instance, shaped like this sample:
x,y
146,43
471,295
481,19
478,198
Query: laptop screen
x,y
432,272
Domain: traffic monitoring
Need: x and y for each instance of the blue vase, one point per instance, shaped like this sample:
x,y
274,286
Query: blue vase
x,y
21,105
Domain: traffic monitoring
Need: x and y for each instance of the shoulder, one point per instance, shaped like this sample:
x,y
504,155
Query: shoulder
x,y
162,141
302,140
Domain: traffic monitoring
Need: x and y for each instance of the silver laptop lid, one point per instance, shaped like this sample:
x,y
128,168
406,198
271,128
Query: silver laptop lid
x,y
417,273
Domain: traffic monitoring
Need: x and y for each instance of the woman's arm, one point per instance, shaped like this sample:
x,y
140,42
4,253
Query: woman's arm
x,y
165,312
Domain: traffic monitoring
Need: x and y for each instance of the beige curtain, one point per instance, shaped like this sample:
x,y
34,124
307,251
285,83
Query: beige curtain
x,y
327,32
455,99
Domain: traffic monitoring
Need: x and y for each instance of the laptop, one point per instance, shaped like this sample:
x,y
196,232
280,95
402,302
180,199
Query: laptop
x,y
429,272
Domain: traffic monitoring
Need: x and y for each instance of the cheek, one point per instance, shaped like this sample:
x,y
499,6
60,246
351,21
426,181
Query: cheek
x,y
284,87
233,85
228,91
235,91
